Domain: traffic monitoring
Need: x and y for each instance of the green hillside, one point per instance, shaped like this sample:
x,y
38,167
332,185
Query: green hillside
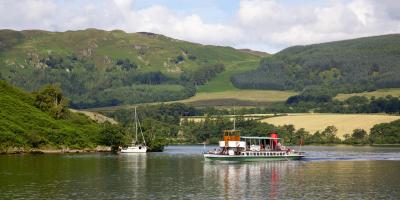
x,y
24,126
97,68
105,68
222,83
349,66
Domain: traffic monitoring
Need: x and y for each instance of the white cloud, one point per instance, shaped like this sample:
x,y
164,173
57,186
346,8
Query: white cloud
x,y
280,25
268,25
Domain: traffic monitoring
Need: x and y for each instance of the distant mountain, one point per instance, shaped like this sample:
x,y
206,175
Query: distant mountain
x,y
24,126
355,65
104,68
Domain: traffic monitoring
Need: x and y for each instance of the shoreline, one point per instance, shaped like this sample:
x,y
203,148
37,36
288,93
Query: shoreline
x,y
328,145
105,149
55,151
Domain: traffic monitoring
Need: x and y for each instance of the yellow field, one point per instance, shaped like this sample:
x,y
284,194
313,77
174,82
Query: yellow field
x,y
245,95
345,123
378,93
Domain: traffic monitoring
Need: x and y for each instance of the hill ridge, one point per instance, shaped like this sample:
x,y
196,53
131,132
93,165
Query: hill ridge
x,y
99,68
347,66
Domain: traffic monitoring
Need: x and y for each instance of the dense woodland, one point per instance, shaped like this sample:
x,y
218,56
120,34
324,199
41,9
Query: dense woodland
x,y
356,65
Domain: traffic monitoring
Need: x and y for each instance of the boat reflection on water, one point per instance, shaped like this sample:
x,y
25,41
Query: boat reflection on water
x,y
133,165
246,180
136,161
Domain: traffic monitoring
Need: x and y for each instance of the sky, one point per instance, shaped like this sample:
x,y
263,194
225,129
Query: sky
x,y
265,25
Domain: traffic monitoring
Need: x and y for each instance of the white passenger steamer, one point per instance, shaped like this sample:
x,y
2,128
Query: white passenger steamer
x,y
233,147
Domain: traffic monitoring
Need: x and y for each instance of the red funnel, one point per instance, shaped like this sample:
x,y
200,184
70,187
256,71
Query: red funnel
x,y
274,141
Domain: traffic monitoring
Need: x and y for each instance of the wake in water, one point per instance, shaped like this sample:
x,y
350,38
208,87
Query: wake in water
x,y
352,153
313,153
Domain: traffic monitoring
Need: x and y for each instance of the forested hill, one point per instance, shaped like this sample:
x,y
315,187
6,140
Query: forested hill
x,y
105,68
346,66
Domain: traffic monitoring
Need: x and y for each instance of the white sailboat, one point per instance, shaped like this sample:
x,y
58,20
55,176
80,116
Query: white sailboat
x,y
135,146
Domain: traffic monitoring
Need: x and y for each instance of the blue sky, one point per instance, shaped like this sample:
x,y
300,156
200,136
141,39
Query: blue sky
x,y
265,25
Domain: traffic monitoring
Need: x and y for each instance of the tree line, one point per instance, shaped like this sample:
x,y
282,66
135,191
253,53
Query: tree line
x,y
175,129
321,99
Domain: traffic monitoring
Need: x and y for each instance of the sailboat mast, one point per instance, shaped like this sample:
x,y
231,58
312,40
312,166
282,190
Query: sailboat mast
x,y
136,125
141,132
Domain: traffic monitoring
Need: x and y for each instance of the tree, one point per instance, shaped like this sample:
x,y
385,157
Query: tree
x,y
50,99
316,138
290,136
359,136
114,136
392,104
357,104
386,133
347,138
329,135
301,136
154,133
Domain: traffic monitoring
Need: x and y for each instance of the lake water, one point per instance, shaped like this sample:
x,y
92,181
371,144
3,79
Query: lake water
x,y
339,172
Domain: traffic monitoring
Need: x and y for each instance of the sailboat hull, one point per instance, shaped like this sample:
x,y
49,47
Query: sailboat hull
x,y
134,150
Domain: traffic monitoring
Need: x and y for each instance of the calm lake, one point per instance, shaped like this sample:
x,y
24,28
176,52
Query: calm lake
x,y
339,172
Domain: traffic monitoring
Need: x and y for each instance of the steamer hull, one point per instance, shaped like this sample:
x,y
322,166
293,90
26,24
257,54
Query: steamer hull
x,y
251,158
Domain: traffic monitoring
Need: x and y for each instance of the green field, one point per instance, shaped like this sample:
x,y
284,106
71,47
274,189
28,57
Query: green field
x,y
221,92
222,81
378,93
244,95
